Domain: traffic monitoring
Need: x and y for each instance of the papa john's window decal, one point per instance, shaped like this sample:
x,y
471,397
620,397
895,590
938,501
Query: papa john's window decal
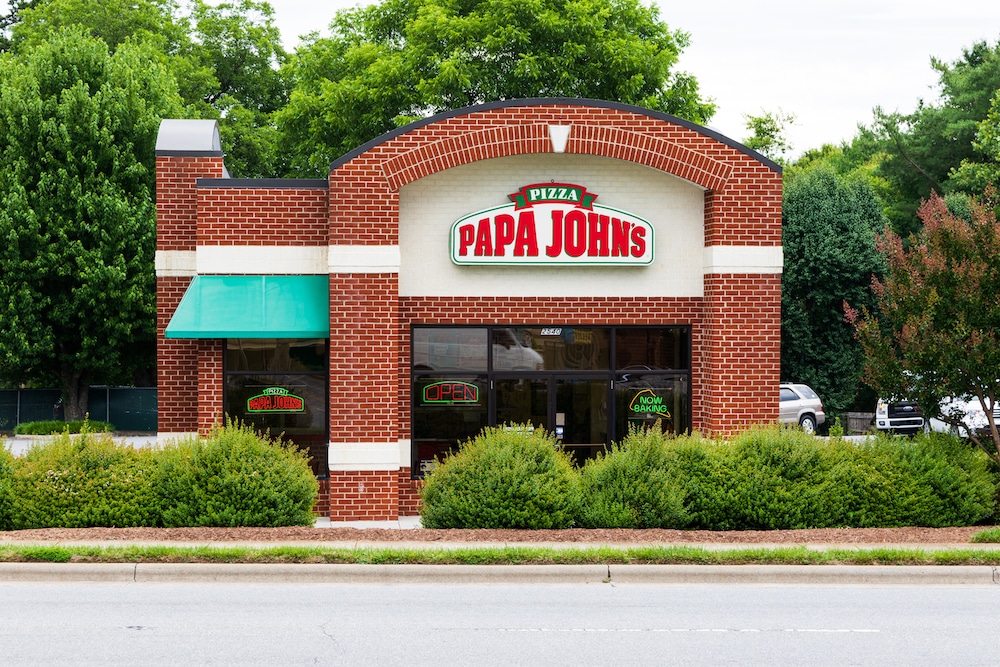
x,y
275,399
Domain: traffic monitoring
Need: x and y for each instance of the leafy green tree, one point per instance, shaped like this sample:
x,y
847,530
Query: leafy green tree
x,y
225,57
923,148
934,334
978,174
829,226
769,134
393,62
8,20
239,43
77,136
112,21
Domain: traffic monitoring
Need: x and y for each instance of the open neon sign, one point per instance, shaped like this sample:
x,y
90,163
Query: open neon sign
x,y
451,392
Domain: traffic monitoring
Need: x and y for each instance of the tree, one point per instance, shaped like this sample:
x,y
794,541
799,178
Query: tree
x,y
829,226
923,148
393,62
239,43
934,334
225,58
77,137
769,130
978,174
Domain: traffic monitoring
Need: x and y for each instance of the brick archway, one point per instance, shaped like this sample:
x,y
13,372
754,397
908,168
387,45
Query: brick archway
x,y
610,142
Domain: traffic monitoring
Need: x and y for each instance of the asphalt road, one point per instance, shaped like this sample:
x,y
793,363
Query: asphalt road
x,y
495,624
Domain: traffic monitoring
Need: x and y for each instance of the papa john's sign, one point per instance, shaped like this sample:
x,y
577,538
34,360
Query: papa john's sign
x,y
554,224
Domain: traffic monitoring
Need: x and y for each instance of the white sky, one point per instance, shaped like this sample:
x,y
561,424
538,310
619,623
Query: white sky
x,y
829,63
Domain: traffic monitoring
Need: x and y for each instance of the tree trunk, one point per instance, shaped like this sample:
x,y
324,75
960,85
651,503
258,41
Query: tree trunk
x,y
76,392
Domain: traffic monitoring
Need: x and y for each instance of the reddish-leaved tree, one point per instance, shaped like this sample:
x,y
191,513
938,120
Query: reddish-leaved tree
x,y
935,336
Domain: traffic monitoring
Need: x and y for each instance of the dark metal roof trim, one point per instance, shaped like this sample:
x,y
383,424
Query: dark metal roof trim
x,y
565,101
264,183
168,153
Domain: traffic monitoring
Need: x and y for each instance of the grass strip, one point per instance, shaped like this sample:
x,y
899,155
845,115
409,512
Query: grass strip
x,y
646,555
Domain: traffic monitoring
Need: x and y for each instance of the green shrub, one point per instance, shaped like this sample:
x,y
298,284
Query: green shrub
x,y
6,488
83,480
950,483
235,478
54,427
506,477
632,486
773,478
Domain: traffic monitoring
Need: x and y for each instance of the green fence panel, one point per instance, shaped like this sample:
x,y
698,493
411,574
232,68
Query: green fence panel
x,y
127,408
132,408
8,409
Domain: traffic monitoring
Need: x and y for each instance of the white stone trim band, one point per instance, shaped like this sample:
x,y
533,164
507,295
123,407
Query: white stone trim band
x,y
175,263
364,259
743,259
368,455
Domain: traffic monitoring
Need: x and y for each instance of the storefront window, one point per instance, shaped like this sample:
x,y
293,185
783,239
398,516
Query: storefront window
x,y
447,410
645,400
279,387
657,348
450,349
571,381
271,354
554,348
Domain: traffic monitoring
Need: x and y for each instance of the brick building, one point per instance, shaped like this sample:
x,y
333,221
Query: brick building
x,y
576,264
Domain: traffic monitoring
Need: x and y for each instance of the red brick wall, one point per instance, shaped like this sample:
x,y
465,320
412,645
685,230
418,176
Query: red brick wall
x,y
367,495
176,226
176,198
741,354
364,361
267,216
322,506
177,364
209,384
409,493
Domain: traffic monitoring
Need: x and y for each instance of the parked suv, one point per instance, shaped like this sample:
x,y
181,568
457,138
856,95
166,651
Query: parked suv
x,y
800,405
903,416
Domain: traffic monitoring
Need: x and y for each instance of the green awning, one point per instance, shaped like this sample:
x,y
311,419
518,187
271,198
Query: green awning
x,y
253,307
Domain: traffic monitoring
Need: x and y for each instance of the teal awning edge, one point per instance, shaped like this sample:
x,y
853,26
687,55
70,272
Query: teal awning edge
x,y
253,307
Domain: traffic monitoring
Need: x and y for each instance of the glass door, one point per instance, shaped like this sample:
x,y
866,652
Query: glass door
x,y
581,416
574,409
523,401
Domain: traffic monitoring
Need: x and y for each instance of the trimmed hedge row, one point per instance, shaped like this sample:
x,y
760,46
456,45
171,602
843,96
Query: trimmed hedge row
x,y
232,478
763,479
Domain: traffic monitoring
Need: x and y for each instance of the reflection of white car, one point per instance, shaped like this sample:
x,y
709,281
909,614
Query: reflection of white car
x,y
970,411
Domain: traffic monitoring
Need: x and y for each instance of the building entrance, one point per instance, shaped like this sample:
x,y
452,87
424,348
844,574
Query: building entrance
x,y
585,385
574,409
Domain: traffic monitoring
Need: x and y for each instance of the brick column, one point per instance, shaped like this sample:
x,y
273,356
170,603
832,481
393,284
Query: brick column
x,y
176,228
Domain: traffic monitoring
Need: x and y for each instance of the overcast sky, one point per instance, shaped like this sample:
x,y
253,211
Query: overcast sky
x,y
826,62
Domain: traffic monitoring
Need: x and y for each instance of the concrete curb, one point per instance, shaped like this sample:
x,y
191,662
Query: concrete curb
x,y
840,575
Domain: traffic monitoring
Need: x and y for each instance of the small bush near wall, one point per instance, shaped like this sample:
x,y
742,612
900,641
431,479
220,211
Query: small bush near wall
x,y
54,426
779,478
81,481
506,477
234,478
6,488
631,486
763,479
